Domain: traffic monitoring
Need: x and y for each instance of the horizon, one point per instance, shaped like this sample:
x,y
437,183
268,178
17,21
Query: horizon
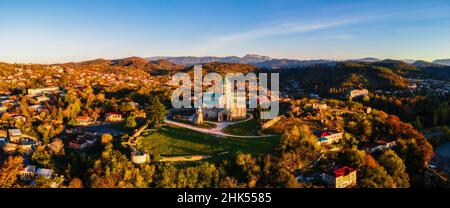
x,y
50,32
188,56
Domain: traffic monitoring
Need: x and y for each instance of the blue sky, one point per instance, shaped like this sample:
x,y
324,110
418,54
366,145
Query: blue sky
x,y
50,31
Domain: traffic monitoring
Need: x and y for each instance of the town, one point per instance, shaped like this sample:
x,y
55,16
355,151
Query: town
x,y
56,118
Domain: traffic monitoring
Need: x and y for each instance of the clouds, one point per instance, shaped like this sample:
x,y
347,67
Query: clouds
x,y
285,28
323,26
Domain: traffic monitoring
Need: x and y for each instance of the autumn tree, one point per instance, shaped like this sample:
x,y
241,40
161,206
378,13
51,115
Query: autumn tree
x,y
106,139
9,171
395,168
42,157
114,170
130,121
75,183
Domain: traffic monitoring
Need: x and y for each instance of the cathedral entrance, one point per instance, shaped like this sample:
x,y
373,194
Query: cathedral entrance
x,y
224,116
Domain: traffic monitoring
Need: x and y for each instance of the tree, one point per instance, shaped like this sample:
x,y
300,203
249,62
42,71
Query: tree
x,y
376,177
43,182
157,111
250,170
114,170
75,183
9,171
42,157
415,153
395,168
367,128
106,138
56,147
229,182
131,121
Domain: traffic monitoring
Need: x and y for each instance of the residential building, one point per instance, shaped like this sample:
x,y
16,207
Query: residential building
x,y
42,98
319,106
9,148
45,173
380,144
27,174
78,144
14,135
41,91
358,93
83,120
327,137
113,117
343,177
3,109
3,133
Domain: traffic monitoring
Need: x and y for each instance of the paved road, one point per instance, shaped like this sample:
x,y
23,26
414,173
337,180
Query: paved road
x,y
222,125
216,131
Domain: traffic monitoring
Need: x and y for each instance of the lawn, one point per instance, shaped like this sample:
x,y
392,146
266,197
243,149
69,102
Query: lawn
x,y
243,129
173,141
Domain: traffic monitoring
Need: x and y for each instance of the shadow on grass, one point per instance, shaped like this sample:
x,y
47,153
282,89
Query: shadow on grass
x,y
169,141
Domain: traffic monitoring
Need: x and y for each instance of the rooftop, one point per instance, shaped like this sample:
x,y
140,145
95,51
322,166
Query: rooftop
x,y
343,171
15,132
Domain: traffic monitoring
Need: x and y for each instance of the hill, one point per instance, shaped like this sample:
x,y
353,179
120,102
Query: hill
x,y
192,60
157,67
223,68
347,75
445,62
290,63
366,60
424,64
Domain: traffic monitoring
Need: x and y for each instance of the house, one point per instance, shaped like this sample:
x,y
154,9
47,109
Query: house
x,y
3,133
9,148
42,98
26,148
3,109
14,135
319,106
113,117
41,91
327,137
78,144
357,93
83,120
27,174
19,118
141,114
45,173
380,144
343,177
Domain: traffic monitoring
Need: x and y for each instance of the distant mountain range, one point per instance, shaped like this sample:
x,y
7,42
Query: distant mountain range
x,y
253,59
445,62
271,63
192,60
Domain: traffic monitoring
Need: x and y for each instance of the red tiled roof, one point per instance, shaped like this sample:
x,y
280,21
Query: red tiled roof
x,y
381,141
83,118
341,171
324,134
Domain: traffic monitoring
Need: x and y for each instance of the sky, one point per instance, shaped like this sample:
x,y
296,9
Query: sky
x,y
56,31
